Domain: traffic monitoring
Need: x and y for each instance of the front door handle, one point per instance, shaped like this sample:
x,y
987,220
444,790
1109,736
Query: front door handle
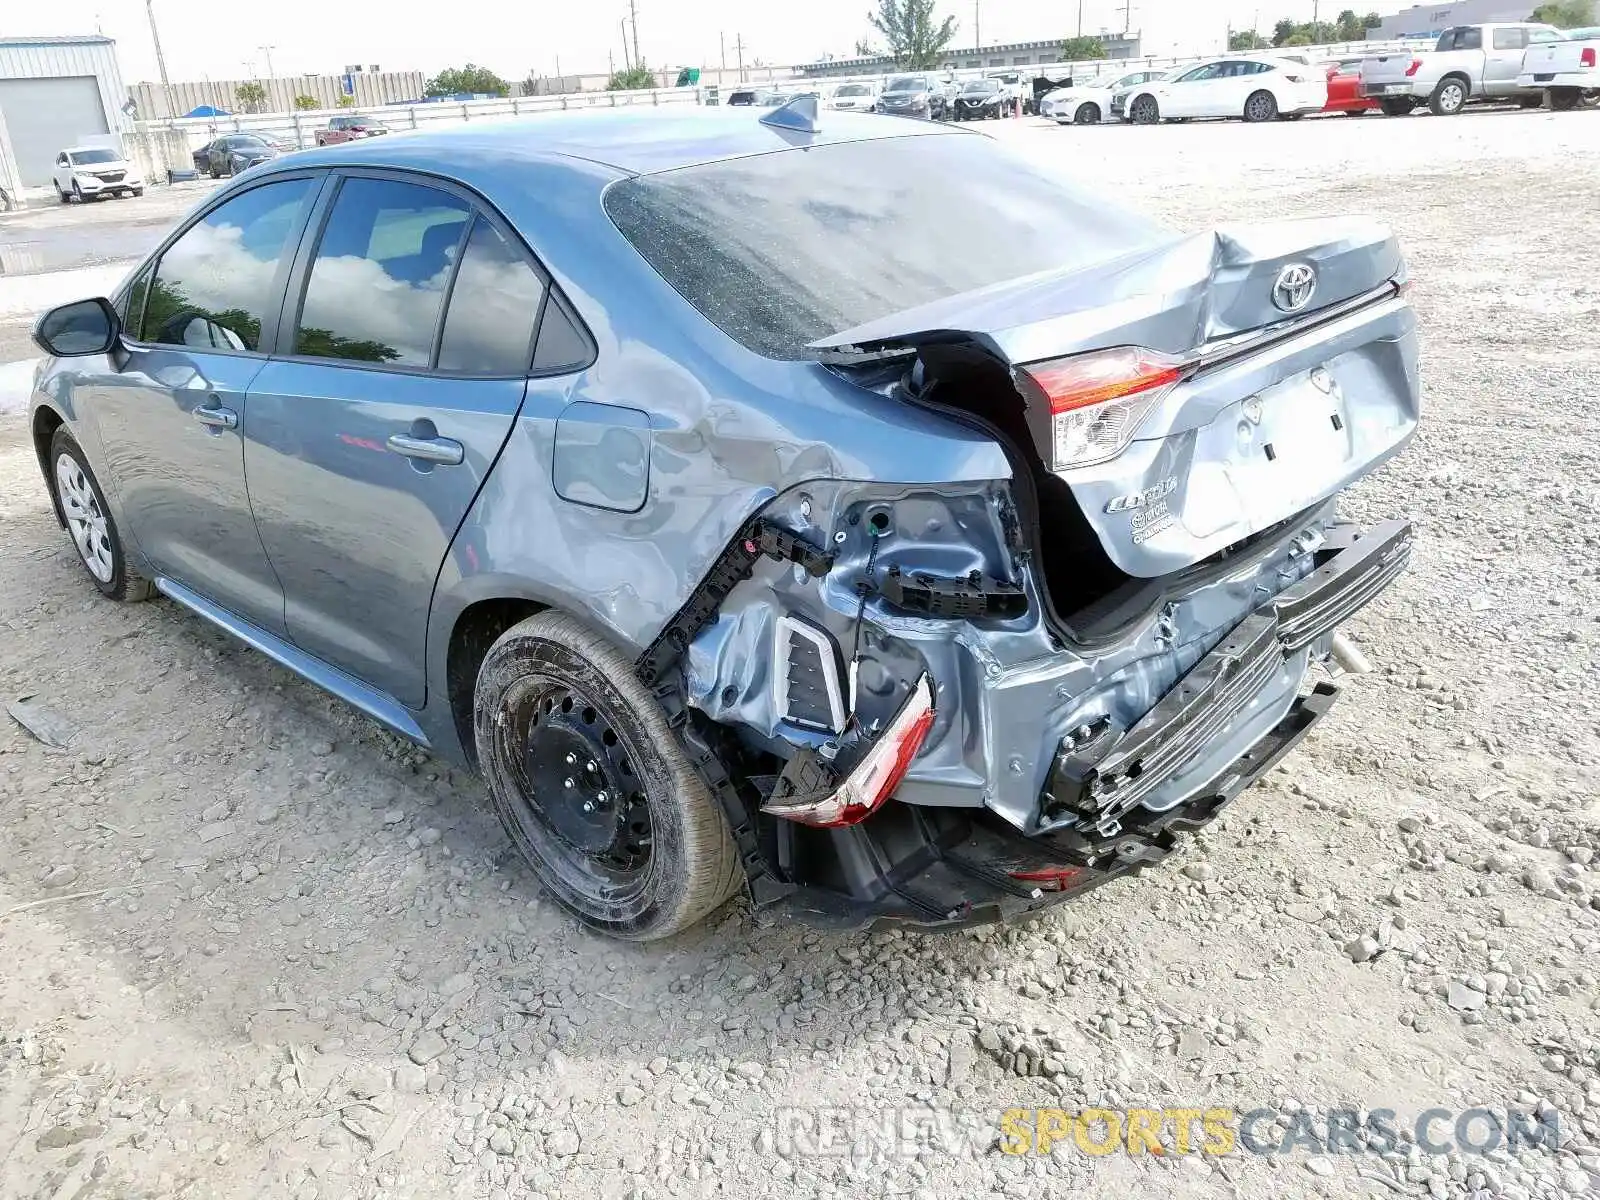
x,y
444,451
217,417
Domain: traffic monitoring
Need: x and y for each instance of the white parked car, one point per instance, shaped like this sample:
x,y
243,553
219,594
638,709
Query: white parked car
x,y
860,96
1568,70
1245,88
84,172
1089,102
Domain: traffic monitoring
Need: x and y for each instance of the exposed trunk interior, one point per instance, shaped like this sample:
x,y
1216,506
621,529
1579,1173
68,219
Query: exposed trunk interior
x,y
1081,585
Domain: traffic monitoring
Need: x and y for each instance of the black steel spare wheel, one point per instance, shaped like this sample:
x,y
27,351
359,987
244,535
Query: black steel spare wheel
x,y
593,787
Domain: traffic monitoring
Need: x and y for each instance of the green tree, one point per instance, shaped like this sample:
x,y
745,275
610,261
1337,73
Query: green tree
x,y
1283,31
347,101
1247,39
1565,14
1298,38
1349,26
633,79
251,95
864,48
1372,20
908,26
468,79
307,102
1082,49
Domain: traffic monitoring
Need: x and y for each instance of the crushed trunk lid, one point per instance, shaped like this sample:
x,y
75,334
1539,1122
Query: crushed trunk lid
x,y
1282,395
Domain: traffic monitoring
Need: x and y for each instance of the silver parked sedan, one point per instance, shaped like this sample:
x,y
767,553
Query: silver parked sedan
x,y
743,530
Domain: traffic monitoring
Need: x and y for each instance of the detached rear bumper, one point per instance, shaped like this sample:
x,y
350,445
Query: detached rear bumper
x,y
1213,734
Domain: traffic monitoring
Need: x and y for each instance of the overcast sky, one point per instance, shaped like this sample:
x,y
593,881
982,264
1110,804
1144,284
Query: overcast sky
x,y
204,39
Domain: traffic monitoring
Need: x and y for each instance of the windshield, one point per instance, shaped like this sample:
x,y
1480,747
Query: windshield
x,y
776,254
907,83
853,89
981,85
83,158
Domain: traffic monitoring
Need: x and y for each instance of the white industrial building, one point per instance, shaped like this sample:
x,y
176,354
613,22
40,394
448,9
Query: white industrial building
x,y
1430,20
54,93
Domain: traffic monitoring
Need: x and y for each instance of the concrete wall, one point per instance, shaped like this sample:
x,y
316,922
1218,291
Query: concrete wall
x,y
372,89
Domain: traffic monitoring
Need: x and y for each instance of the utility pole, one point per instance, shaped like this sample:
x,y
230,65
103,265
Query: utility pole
x,y
977,27
722,45
626,61
161,62
738,47
267,50
1127,16
633,15
1080,18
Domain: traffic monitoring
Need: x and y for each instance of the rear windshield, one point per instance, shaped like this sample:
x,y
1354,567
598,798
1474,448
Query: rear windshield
x,y
981,85
904,84
780,249
853,89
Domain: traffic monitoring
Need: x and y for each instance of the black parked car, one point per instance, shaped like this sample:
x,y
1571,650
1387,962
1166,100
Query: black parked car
x,y
232,153
979,99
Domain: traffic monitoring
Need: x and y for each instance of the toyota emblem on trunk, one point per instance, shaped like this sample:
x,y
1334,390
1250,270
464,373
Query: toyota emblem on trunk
x,y
1294,287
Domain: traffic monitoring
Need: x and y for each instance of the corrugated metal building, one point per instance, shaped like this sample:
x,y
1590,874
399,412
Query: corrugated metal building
x,y
55,93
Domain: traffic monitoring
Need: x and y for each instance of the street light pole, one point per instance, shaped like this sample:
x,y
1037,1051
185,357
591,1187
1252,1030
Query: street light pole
x,y
161,62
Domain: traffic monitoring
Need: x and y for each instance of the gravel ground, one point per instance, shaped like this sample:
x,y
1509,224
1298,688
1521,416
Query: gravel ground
x,y
320,973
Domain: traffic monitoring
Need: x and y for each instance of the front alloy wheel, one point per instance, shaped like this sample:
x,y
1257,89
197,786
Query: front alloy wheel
x,y
1144,111
1261,106
94,532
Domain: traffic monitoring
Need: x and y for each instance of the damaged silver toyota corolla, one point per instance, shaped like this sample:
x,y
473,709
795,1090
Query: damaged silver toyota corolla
x,y
861,514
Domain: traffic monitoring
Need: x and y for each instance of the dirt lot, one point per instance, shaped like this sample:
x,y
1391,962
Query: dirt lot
x,y
318,971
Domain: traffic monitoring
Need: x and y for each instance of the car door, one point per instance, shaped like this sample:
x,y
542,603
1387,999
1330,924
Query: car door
x,y
1502,59
1186,95
62,174
369,437
200,318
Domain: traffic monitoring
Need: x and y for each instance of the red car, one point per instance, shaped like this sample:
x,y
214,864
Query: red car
x,y
1344,88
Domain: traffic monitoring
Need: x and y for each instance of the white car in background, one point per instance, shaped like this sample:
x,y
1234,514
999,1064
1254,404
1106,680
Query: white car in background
x,y
1089,102
859,96
1247,88
85,172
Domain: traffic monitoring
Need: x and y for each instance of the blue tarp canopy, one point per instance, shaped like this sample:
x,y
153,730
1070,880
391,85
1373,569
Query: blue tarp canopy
x,y
207,110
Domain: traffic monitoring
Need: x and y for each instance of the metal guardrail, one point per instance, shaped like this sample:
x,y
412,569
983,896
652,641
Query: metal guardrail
x,y
300,127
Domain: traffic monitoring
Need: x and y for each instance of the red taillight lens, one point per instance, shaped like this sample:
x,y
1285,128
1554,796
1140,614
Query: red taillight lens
x,y
879,774
1098,400
1049,879
1586,58
1416,65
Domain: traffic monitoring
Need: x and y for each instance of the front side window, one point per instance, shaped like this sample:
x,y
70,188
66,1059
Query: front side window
x,y
493,307
379,277
1200,73
1469,39
1510,39
216,283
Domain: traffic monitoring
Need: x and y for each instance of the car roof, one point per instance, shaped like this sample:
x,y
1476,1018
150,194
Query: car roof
x,y
636,142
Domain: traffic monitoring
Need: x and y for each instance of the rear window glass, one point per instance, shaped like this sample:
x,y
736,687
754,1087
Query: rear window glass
x,y
781,249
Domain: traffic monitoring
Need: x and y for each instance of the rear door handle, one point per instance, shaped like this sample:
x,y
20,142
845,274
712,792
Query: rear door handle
x,y
444,451
217,417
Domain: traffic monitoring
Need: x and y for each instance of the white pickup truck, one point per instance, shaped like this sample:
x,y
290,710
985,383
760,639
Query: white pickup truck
x,y
1568,71
1470,63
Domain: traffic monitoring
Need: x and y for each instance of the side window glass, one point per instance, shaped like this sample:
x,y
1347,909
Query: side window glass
x,y
562,343
488,329
133,308
1542,35
215,284
1508,39
1469,39
379,277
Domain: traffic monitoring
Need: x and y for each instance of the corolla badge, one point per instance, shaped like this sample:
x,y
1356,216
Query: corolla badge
x,y
1294,287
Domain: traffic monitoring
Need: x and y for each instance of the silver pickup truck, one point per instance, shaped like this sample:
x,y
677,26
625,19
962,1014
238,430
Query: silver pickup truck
x,y
1470,63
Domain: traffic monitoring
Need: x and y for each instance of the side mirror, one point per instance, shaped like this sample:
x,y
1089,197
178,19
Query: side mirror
x,y
83,327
